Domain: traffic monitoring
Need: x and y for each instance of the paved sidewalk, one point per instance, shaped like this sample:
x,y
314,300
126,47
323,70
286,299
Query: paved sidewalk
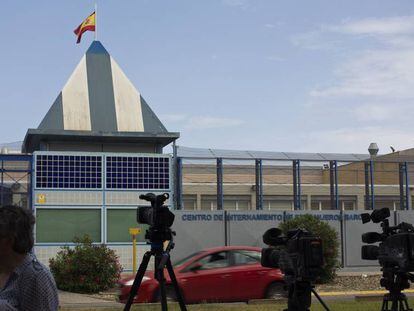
x,y
71,300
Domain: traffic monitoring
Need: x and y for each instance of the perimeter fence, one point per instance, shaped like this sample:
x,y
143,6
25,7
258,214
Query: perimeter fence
x,y
271,181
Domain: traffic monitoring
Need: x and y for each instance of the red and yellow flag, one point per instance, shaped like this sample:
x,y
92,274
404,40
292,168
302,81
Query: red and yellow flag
x,y
87,24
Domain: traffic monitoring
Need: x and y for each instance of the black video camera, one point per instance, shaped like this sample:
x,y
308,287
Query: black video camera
x,y
299,254
396,247
158,216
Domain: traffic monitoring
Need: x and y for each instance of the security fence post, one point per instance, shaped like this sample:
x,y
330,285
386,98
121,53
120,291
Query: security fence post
x,y
219,183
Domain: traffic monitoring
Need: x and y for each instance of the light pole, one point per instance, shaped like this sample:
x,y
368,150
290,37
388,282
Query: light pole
x,y
373,151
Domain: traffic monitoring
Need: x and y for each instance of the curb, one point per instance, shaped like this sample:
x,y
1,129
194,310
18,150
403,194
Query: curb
x,y
363,292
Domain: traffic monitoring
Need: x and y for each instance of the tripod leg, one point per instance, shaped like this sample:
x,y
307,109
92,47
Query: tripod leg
x,y
384,306
404,304
180,297
320,299
138,279
159,275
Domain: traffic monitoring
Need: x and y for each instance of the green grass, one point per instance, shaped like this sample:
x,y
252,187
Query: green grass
x,y
333,305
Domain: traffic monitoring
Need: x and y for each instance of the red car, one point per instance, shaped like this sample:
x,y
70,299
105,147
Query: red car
x,y
230,273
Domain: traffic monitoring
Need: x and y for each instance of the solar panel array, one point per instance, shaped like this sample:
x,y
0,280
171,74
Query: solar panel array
x,y
86,172
149,173
69,171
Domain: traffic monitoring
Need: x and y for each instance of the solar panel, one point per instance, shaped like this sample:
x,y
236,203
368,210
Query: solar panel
x,y
69,171
149,173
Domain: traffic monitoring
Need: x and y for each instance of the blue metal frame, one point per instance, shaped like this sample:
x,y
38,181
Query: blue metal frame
x,y
29,171
367,196
179,183
1,184
371,175
336,186
297,191
401,185
259,184
404,186
333,181
102,207
407,187
220,198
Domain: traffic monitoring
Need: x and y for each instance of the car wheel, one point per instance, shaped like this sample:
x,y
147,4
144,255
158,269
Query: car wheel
x,y
276,291
170,293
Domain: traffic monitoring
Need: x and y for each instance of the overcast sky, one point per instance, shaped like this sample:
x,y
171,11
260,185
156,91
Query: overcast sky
x,y
315,76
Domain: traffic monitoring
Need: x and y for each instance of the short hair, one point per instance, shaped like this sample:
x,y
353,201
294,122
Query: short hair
x,y
17,223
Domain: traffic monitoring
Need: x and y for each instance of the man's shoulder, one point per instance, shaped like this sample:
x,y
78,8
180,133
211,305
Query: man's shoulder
x,y
38,266
34,268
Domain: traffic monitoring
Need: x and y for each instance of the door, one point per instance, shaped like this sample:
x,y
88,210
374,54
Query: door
x,y
249,277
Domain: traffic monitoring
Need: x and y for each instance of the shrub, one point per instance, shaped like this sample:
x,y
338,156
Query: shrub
x,y
329,238
86,268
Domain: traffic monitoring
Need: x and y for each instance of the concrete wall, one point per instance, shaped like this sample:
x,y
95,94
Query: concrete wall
x,y
204,229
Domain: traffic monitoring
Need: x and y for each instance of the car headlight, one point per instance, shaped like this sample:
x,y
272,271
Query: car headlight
x,y
144,279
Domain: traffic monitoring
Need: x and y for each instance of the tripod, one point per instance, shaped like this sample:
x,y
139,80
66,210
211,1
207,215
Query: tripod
x,y
395,283
161,260
300,296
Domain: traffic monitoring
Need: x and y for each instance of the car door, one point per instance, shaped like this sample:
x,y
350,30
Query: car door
x,y
206,279
249,277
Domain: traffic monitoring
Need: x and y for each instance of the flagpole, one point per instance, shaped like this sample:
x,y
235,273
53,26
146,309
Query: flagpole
x,y
96,21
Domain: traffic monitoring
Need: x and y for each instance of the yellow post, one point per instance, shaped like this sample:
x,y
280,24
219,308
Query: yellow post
x,y
133,232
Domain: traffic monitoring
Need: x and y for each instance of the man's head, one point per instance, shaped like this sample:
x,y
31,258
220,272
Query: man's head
x,y
16,230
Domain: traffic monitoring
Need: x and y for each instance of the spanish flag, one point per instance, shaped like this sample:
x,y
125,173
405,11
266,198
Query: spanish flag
x,y
87,24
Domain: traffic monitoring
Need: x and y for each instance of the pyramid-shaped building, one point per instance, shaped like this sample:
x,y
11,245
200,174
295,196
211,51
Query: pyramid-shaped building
x,y
99,109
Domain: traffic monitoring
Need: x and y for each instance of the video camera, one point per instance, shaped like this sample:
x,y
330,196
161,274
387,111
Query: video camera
x,y
396,248
299,255
157,216
395,254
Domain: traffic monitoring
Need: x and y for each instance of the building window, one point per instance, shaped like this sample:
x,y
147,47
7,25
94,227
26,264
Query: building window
x,y
230,202
208,202
63,225
118,223
189,202
348,205
391,202
321,203
281,202
236,202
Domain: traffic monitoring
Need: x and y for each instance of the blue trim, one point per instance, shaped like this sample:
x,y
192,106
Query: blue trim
x,y
336,185
1,184
179,181
297,191
104,234
259,185
30,188
407,187
371,171
220,198
299,186
14,171
15,157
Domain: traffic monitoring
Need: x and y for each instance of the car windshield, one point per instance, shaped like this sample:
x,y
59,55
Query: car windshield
x,y
185,259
